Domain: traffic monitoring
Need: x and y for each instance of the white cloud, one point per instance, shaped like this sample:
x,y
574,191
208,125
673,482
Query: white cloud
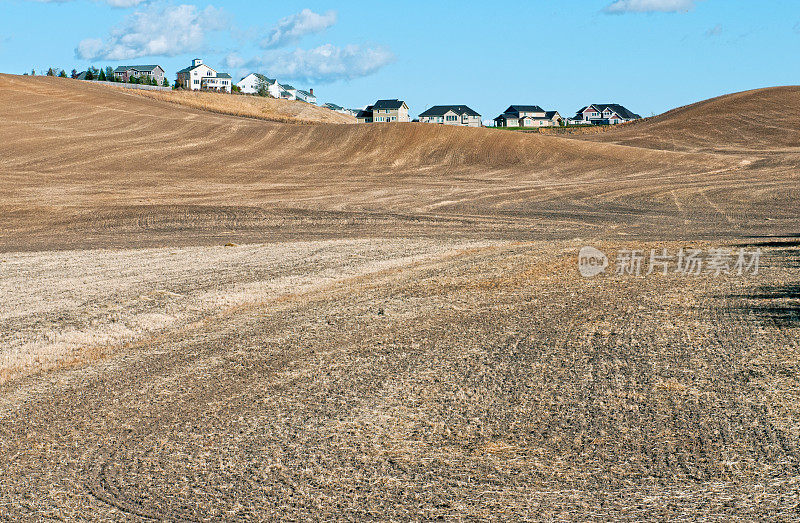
x,y
715,31
234,61
326,63
650,6
113,3
291,29
124,3
165,31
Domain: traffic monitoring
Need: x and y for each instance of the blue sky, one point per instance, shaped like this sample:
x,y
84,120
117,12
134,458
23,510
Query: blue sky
x,y
649,55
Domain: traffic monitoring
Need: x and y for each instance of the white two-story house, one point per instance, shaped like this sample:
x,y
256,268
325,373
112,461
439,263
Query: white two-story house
x,y
202,77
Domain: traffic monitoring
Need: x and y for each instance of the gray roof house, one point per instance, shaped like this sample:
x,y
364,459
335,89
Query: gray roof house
x,y
306,96
460,115
528,116
124,73
200,76
390,110
251,83
604,114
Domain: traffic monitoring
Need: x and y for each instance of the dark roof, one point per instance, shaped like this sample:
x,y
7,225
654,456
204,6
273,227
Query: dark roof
x,y
523,109
366,112
617,108
440,110
145,68
305,93
81,76
261,77
506,116
333,107
223,75
550,114
388,104
288,87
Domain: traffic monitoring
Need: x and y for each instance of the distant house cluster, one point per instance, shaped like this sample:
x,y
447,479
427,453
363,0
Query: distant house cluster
x,y
340,109
256,83
200,76
516,116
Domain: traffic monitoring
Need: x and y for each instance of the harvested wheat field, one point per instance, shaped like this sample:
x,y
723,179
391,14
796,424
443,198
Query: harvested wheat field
x,y
211,317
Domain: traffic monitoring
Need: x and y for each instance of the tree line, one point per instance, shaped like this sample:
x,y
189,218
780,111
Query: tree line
x,y
101,75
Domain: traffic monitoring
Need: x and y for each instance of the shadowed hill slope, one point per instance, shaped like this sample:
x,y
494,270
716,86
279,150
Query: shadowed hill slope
x,y
80,157
757,120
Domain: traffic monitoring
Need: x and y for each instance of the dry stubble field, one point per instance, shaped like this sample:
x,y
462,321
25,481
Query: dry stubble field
x,y
396,328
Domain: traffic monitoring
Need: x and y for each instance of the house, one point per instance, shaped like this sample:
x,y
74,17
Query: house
x,y
306,96
340,109
451,115
387,111
604,114
250,83
528,116
365,115
124,73
200,76
288,92
81,75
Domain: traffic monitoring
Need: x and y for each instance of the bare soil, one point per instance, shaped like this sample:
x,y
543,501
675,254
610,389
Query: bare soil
x,y
207,317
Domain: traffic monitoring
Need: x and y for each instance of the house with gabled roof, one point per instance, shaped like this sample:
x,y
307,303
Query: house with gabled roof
x,y
124,73
200,76
250,83
604,114
451,115
306,96
365,115
528,116
390,110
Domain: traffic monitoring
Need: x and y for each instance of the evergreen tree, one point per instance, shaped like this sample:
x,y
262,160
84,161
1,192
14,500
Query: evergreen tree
x,y
74,73
262,89
102,76
51,72
166,82
62,74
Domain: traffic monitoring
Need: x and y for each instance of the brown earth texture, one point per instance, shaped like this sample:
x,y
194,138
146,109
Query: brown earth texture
x,y
205,315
